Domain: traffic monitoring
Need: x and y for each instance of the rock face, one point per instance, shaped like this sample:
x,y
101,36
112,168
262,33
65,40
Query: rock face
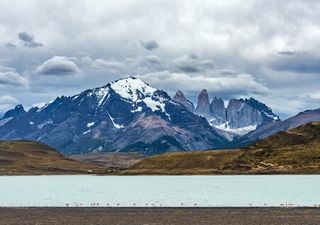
x,y
126,115
239,118
269,129
218,109
240,114
203,104
180,98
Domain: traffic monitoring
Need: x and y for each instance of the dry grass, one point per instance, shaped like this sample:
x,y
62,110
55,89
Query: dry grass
x,y
32,158
294,152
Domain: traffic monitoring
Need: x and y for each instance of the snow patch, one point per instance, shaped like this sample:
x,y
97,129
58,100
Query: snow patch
x,y
101,94
138,109
87,131
45,106
239,131
90,124
5,121
274,117
154,105
40,126
118,126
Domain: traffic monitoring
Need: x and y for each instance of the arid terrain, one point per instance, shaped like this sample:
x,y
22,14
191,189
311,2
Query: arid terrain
x,y
296,151
110,160
159,216
32,158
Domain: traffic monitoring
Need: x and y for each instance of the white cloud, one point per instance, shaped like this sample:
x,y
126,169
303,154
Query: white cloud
x,y
59,66
12,78
7,102
101,64
214,81
315,95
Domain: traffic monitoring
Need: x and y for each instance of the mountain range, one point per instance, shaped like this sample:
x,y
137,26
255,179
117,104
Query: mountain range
x,y
128,115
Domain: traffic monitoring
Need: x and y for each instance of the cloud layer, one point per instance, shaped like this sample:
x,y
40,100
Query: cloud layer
x,y
237,48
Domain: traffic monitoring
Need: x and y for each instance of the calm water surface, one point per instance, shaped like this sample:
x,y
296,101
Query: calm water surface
x,y
165,191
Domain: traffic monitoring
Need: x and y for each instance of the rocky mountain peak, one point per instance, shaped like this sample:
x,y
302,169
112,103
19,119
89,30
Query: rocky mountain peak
x,y
218,109
203,104
16,111
180,98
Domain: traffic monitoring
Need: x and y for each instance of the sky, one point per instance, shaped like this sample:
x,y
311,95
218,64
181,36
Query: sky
x,y
266,49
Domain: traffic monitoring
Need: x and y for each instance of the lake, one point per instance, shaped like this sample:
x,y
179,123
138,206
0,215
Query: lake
x,y
160,191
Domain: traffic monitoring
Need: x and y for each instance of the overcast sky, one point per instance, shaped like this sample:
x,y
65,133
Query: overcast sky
x,y
269,50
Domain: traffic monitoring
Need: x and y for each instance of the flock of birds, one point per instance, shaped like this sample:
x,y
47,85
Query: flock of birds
x,y
284,205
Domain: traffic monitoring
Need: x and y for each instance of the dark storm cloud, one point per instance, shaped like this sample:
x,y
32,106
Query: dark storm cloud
x,y
150,45
59,66
28,40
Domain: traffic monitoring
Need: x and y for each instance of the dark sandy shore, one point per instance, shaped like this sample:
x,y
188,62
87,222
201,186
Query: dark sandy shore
x,y
159,216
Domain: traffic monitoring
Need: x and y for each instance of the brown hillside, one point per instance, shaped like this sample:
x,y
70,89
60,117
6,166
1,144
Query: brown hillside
x,y
31,158
294,151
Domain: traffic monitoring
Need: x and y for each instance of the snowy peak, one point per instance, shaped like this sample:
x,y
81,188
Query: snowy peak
x,y
132,89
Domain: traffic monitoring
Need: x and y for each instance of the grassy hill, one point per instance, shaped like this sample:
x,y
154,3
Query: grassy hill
x,y
296,151
32,158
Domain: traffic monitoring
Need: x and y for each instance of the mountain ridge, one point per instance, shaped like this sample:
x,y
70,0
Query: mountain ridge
x,y
124,115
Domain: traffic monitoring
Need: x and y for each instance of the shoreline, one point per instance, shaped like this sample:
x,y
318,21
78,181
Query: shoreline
x,y
159,216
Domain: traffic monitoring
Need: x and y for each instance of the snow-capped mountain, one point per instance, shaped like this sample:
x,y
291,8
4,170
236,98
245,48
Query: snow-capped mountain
x,y
124,115
240,117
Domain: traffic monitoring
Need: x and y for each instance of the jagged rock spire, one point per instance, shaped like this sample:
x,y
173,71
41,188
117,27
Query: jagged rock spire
x,y
203,104
180,98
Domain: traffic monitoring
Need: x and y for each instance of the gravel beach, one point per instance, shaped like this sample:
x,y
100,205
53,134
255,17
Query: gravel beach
x,y
159,216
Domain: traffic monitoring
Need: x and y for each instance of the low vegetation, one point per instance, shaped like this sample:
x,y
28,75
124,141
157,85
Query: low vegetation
x,y
292,152
33,158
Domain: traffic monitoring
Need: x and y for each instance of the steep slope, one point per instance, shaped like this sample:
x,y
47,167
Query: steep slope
x,y
240,117
293,151
126,115
203,104
180,98
277,126
27,158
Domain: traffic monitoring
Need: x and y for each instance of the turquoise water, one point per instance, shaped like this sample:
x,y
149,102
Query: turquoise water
x,y
165,191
